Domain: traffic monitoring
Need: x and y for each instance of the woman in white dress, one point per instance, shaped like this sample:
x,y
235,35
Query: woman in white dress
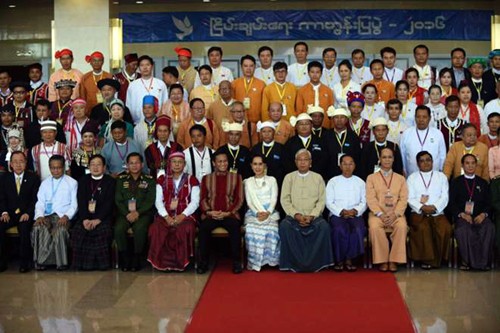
x,y
261,218
345,85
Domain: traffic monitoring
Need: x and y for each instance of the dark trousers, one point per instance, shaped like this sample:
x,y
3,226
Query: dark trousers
x,y
25,250
231,225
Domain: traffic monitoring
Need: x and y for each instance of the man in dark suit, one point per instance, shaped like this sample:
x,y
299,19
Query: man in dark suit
x,y
461,73
492,75
18,197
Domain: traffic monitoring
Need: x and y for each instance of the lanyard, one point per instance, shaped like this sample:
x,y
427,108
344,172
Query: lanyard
x,y
307,143
370,113
179,186
396,132
201,156
385,182
462,112
54,191
235,156
46,152
376,148
100,77
468,151
122,157
341,143
423,181
478,88
281,93
357,129
61,109
268,152
470,190
422,143
387,75
175,113
94,189
150,85
320,132
360,77
247,85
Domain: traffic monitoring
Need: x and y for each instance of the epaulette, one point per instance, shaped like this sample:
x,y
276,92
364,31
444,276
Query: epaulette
x,y
148,176
123,176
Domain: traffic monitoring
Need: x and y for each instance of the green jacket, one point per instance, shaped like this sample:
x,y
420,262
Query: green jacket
x,y
143,191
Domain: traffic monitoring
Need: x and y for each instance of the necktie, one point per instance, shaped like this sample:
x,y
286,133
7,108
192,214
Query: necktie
x,y
18,184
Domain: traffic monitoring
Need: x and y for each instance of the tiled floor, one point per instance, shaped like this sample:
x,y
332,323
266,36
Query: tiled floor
x,y
439,301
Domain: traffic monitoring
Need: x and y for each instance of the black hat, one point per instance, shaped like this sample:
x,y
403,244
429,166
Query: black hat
x,y
109,82
36,65
24,85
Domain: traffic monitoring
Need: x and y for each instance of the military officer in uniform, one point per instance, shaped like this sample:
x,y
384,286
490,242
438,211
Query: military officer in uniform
x,y
134,198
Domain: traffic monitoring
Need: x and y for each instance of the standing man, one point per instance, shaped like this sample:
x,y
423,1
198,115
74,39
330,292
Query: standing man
x,y
391,72
207,91
65,57
127,75
422,137
32,135
17,206
22,109
221,199
430,230
145,85
198,156
281,92
187,73
38,89
6,95
89,90
297,72
219,72
458,57
101,113
56,206
315,93
476,67
61,109
220,110
330,75
491,76
360,73
248,89
451,126
265,71
134,200
213,132
426,73
386,90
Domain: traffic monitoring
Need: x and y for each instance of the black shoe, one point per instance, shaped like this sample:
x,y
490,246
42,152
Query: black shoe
x,y
136,263
202,269
24,269
40,267
3,268
123,262
237,268
62,268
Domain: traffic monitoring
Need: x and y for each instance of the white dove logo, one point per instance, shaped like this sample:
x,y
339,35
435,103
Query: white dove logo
x,y
184,26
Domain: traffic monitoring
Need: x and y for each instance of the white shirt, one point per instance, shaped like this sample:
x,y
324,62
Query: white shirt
x,y
437,190
219,74
464,113
330,77
492,106
393,74
202,162
438,112
266,75
297,74
340,93
141,135
345,193
408,113
396,129
140,88
370,113
414,141
191,207
361,75
61,193
425,76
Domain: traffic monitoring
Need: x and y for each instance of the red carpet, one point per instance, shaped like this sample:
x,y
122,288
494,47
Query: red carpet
x,y
274,301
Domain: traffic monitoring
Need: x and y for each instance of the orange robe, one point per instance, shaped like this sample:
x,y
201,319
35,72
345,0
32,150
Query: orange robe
x,y
219,111
284,131
386,90
89,90
207,95
212,139
253,90
285,95
305,97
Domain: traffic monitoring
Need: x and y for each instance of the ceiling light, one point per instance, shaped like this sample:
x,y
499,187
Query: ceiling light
x,y
206,0
139,2
116,3
12,6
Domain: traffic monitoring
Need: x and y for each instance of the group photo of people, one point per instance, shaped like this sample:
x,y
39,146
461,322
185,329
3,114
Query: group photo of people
x,y
305,166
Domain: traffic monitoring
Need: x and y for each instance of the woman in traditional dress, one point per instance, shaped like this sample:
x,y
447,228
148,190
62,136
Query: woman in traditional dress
x,y
15,142
117,113
172,234
92,234
261,218
176,107
81,156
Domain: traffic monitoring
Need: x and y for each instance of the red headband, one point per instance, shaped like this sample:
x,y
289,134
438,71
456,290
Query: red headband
x,y
162,120
63,52
183,52
96,54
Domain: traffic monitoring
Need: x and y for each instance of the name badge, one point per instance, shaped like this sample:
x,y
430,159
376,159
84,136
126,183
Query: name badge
x,y
59,121
246,103
132,205
388,200
469,207
91,206
87,171
480,102
124,166
233,170
20,123
48,208
283,106
174,203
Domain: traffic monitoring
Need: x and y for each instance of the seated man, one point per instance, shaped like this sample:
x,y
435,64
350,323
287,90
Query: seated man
x,y
430,230
172,234
346,201
56,206
134,199
470,205
221,198
387,197
304,234
92,234
17,206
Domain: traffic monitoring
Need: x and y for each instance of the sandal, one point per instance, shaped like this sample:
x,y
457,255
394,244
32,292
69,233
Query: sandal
x,y
426,266
393,267
338,267
383,267
351,268
464,267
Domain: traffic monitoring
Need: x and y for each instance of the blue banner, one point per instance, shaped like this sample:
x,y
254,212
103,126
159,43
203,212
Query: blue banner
x,y
307,25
